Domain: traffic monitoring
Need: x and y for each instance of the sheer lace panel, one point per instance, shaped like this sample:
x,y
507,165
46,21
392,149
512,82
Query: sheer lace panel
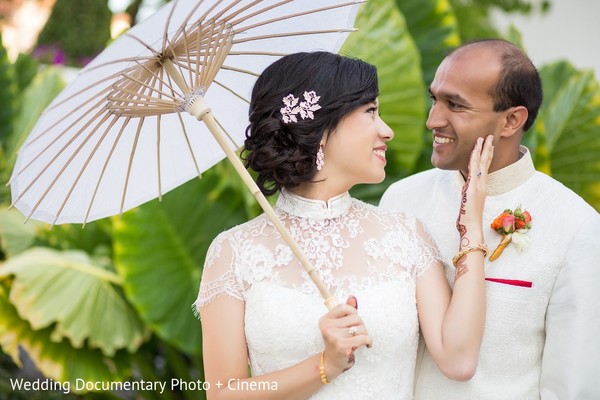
x,y
217,281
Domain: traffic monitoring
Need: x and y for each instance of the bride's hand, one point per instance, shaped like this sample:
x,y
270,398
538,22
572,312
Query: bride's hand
x,y
343,332
474,189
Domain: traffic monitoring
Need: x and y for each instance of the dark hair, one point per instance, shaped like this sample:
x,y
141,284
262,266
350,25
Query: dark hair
x,y
519,83
284,155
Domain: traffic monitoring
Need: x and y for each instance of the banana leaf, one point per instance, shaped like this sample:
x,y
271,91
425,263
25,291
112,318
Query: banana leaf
x,y
56,360
80,301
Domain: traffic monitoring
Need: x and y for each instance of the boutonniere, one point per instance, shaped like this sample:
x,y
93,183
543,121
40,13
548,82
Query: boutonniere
x,y
512,225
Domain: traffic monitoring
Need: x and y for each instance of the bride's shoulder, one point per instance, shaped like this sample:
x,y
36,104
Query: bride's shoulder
x,y
241,230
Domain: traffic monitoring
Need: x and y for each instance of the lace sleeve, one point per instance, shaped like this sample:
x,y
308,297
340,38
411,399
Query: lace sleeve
x,y
429,254
218,276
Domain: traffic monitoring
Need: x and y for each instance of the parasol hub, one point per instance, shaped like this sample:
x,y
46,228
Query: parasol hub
x,y
197,106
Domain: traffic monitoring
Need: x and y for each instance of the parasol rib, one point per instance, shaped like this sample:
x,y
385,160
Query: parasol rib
x,y
131,156
186,50
247,7
108,158
224,131
256,53
158,120
258,12
233,92
289,16
289,34
189,144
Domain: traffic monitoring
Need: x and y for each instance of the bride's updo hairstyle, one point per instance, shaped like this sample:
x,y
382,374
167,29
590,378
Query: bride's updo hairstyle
x,y
283,152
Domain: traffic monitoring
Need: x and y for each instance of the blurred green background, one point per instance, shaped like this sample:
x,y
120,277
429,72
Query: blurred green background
x,y
112,302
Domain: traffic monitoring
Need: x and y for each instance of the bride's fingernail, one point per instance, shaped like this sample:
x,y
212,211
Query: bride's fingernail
x,y
352,301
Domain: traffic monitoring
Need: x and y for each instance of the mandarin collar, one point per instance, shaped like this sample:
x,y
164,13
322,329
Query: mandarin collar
x,y
508,178
313,209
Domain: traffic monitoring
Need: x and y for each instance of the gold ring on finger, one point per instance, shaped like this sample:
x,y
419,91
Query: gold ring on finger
x,y
352,331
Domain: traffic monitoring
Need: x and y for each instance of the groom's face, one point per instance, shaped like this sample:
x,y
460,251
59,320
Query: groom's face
x,y
462,108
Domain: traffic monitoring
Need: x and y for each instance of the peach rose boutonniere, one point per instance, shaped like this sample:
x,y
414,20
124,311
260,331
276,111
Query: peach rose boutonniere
x,y
512,225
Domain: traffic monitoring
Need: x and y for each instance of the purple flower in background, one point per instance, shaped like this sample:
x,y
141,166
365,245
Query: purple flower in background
x,y
60,58
49,54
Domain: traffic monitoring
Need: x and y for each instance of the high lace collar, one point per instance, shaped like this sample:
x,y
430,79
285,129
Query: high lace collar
x,y
509,177
311,208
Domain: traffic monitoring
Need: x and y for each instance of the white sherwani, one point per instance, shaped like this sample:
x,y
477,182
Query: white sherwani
x,y
541,341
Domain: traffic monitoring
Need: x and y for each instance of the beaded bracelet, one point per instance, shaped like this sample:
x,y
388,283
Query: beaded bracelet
x,y
468,250
322,369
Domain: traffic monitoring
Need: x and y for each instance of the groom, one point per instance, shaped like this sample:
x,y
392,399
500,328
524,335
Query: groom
x,y
542,334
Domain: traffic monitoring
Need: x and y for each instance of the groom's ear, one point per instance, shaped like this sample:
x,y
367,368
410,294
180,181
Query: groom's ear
x,y
515,119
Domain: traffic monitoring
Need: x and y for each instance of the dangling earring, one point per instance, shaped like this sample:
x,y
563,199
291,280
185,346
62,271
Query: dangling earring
x,y
320,158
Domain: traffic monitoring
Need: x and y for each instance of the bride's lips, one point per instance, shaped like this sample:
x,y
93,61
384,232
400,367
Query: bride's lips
x,y
380,153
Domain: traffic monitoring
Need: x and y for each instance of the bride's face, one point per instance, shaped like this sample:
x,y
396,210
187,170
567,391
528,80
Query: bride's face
x,y
355,152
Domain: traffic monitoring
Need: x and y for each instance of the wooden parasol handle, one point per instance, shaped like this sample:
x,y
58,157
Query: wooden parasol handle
x,y
201,111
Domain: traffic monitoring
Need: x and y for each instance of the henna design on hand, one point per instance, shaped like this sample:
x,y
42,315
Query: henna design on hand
x,y
461,267
351,359
350,362
462,230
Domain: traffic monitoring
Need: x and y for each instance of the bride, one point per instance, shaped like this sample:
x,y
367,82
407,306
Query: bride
x,y
315,132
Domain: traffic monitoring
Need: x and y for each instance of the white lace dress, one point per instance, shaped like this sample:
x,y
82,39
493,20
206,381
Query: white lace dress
x,y
358,249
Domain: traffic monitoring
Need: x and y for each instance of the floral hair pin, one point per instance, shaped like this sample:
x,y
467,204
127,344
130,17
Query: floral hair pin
x,y
305,109
512,225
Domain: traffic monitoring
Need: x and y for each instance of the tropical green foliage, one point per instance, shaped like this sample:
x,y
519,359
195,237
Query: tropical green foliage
x,y
112,301
567,130
475,14
75,43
